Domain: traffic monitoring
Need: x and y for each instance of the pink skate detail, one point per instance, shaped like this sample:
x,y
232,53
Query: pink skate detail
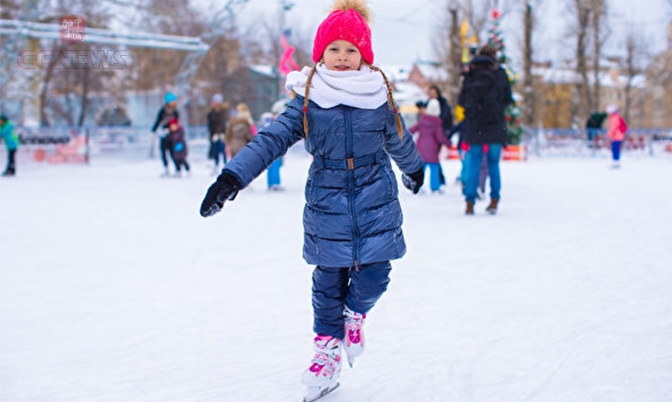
x,y
315,368
324,338
354,334
353,327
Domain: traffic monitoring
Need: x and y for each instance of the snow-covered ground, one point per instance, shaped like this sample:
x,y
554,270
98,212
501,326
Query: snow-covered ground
x,y
114,289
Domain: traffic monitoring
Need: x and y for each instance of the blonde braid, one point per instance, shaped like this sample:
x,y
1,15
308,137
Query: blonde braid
x,y
390,101
305,99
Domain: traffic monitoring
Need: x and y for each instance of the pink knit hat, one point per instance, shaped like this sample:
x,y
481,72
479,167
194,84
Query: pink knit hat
x,y
348,21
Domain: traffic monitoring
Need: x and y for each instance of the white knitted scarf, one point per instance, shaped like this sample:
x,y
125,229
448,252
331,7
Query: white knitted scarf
x,y
363,88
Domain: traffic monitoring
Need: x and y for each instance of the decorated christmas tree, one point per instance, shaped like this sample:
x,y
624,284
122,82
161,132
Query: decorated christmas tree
x,y
512,113
513,127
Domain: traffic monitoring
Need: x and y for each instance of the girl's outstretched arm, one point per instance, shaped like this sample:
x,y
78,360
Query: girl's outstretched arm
x,y
402,150
269,144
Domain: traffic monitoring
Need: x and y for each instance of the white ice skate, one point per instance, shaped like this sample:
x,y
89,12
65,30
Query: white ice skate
x,y
325,368
353,342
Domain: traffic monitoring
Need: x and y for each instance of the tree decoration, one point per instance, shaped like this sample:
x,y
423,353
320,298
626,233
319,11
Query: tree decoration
x,y
512,113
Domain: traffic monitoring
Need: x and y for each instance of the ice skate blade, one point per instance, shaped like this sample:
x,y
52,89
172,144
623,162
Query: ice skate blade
x,y
315,393
351,361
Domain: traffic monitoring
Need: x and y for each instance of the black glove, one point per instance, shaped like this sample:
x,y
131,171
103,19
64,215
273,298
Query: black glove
x,y
413,181
224,188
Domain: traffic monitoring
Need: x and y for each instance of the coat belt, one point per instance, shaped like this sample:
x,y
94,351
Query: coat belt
x,y
349,163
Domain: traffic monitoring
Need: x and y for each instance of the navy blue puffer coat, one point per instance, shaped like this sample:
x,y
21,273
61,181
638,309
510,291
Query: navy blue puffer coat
x,y
352,214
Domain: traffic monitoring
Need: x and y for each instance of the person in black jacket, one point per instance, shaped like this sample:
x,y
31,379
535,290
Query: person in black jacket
x,y
218,118
165,115
485,94
594,128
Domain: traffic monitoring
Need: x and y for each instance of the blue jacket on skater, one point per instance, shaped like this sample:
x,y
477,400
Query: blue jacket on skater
x,y
344,110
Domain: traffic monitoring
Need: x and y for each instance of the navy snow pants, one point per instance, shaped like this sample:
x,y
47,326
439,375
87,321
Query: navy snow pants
x,y
336,287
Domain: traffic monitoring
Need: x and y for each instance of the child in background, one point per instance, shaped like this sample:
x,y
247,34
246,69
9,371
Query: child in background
x,y
11,142
430,139
344,110
167,112
178,147
616,133
273,171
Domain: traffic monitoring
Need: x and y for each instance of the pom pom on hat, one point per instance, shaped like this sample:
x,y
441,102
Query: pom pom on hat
x,y
348,21
433,108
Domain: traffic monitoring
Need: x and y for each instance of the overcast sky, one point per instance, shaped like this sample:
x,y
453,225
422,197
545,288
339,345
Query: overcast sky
x,y
403,29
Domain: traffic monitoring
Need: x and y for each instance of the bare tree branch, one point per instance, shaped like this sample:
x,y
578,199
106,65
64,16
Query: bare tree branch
x,y
528,89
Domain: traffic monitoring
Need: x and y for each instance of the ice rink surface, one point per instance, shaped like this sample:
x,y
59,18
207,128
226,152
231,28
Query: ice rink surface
x,y
114,289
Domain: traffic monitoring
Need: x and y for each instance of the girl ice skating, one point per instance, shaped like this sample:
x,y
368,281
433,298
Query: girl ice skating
x,y
178,147
167,112
344,110
616,133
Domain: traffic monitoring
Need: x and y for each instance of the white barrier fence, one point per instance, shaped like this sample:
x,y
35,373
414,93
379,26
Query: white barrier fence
x,y
81,145
581,142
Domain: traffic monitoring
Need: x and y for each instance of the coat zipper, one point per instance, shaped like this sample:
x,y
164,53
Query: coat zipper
x,y
349,153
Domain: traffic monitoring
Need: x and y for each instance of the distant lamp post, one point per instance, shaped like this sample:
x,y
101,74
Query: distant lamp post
x,y
286,63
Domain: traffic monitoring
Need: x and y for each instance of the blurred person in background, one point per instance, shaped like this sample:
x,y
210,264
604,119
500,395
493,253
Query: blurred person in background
x,y
446,118
218,118
241,130
594,128
617,129
11,141
273,171
178,146
430,138
167,112
485,94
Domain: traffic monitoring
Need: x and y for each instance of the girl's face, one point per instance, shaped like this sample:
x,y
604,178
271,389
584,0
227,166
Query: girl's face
x,y
341,55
